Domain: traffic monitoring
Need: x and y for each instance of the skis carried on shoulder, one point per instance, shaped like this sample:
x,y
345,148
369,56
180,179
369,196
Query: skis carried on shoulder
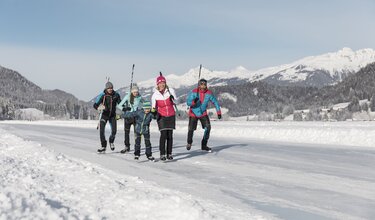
x,y
100,118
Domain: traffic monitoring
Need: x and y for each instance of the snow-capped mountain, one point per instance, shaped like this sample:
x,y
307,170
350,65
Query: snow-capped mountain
x,y
183,83
318,71
191,77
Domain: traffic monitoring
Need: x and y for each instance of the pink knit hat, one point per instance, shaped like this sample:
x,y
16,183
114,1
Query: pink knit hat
x,y
160,79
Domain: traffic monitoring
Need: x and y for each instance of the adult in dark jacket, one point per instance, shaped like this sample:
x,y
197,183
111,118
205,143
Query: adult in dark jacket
x,y
143,119
106,104
198,100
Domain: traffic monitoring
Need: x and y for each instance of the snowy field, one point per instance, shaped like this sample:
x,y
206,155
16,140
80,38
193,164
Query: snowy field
x,y
257,170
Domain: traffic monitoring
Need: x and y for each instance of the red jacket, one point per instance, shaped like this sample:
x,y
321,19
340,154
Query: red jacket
x,y
162,103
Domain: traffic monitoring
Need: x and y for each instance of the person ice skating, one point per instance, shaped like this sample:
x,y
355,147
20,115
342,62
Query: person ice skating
x,y
130,103
198,100
106,103
162,107
142,118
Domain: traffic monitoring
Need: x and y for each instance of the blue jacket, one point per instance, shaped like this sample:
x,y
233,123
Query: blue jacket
x,y
142,120
199,109
138,100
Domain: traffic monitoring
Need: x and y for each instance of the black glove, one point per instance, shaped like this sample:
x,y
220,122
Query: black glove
x,y
154,113
171,97
96,106
219,116
125,109
196,99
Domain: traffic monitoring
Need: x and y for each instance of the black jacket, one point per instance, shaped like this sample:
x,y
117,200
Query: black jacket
x,y
110,101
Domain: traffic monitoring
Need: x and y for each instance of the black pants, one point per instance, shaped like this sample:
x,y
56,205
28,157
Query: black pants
x,y
166,136
113,123
137,146
128,122
206,125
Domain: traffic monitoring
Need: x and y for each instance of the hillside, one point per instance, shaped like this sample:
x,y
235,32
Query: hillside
x,y
17,92
257,97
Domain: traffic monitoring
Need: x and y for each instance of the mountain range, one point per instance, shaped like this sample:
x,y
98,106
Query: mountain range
x,y
317,71
314,80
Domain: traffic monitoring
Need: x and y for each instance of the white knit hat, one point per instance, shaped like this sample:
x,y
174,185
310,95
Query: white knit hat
x,y
134,89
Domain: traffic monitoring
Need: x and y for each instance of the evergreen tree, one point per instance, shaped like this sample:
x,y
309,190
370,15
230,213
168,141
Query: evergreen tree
x,y
372,103
297,116
354,105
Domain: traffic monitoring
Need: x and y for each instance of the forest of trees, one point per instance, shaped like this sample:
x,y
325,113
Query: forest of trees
x,y
16,92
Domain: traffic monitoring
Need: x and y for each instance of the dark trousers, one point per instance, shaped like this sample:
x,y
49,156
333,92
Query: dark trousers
x,y
206,125
166,136
137,147
113,123
128,122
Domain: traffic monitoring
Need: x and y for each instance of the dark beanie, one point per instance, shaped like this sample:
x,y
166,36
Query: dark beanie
x,y
203,81
108,85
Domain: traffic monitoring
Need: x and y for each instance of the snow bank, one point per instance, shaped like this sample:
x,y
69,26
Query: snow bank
x,y
30,114
36,183
338,134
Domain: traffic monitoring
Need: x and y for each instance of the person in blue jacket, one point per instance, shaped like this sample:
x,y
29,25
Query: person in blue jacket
x,y
106,104
198,100
143,119
131,102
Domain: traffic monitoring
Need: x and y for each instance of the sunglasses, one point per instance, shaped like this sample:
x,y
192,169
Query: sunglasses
x,y
203,83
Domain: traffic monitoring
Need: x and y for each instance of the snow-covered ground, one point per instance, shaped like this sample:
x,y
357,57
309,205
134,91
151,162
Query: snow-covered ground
x,y
258,170
342,134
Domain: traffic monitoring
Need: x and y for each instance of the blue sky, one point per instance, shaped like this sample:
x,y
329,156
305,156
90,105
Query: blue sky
x,y
74,44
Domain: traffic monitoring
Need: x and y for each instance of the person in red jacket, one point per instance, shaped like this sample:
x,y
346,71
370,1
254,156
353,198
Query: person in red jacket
x,y
163,109
198,100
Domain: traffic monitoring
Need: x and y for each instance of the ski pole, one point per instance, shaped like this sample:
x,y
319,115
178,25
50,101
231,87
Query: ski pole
x,y
130,87
178,112
199,77
131,81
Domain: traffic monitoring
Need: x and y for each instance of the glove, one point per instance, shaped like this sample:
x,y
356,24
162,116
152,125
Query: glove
x,y
125,109
95,106
101,107
118,117
154,113
196,99
171,97
158,117
219,116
